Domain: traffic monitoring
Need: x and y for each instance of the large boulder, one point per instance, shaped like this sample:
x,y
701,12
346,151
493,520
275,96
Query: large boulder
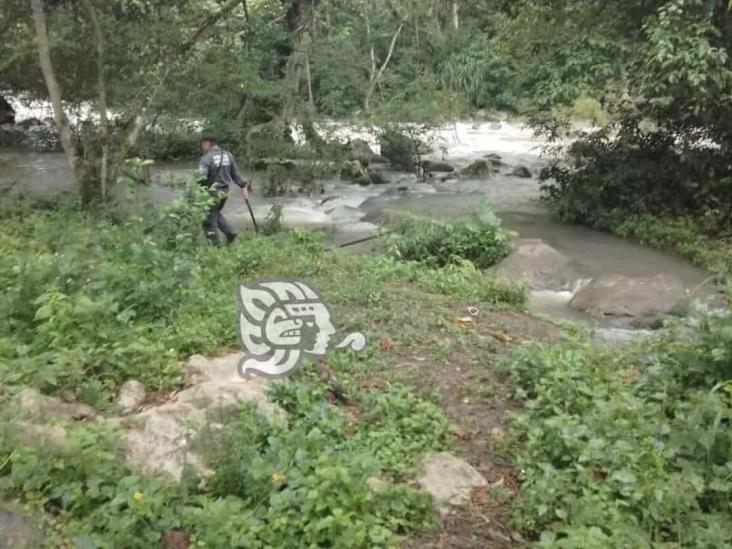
x,y
521,171
352,170
619,295
7,113
36,406
398,148
158,440
131,396
435,166
479,168
539,266
449,479
359,149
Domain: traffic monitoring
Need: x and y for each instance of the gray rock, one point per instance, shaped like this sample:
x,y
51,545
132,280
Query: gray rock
x,y
18,530
41,435
360,150
448,478
479,168
131,396
435,166
352,170
521,171
37,406
618,295
494,159
539,266
377,177
158,440
7,113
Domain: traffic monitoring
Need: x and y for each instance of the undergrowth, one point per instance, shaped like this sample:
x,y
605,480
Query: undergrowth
x,y
626,447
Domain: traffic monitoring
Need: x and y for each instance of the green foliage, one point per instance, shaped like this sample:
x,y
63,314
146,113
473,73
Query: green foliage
x,y
627,447
441,243
398,148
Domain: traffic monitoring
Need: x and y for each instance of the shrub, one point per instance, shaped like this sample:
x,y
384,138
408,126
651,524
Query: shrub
x,y
626,447
440,243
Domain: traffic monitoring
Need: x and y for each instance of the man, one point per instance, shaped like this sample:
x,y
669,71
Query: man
x,y
218,170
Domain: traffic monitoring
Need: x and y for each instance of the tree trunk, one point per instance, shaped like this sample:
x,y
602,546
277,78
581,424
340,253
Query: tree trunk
x,y
455,15
102,97
54,91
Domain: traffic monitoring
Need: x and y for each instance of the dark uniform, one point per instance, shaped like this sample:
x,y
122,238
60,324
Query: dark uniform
x,y
218,170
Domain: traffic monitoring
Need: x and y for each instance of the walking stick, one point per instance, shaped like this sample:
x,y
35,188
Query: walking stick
x,y
249,207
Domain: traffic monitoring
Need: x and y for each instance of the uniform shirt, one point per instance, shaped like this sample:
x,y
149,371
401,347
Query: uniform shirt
x,y
218,169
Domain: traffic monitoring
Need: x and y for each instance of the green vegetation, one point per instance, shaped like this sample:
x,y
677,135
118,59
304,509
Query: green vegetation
x,y
626,447
437,243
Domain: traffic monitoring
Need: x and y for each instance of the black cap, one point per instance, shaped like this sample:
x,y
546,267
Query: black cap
x,y
209,136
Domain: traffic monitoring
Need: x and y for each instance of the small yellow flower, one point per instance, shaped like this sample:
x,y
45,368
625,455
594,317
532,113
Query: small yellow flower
x,y
137,496
277,477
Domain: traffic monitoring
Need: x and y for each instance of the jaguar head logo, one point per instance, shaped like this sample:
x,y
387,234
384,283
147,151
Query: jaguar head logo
x,y
282,321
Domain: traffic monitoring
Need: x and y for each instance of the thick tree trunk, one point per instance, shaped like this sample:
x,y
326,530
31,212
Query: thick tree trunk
x,y
455,15
54,91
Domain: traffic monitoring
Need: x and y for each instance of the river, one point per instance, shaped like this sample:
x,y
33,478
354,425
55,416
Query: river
x,y
347,212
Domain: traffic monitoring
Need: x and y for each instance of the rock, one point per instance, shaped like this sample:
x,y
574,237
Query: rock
x,y
495,126
494,159
434,166
360,150
18,530
618,295
352,170
521,171
539,266
479,168
398,148
378,159
131,396
377,177
448,478
41,435
29,123
7,113
158,439
364,181
37,406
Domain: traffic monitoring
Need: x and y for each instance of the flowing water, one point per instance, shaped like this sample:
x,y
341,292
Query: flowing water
x,y
348,212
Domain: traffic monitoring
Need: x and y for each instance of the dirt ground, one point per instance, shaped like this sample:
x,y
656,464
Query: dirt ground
x,y
474,396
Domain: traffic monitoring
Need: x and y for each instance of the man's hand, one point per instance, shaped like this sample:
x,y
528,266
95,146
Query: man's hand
x,y
244,193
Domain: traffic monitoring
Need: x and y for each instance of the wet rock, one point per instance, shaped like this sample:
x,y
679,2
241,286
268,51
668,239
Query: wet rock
x,y
38,406
435,166
359,149
131,396
448,478
495,126
377,177
7,113
618,295
521,171
479,168
494,159
378,159
18,530
352,170
539,266
158,440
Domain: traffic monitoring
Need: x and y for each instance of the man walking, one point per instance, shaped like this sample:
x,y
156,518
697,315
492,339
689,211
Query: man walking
x,y
218,170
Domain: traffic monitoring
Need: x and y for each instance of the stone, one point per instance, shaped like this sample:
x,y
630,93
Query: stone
x,y
359,149
41,435
539,266
479,168
18,530
131,396
619,295
521,171
449,479
38,406
158,440
7,112
352,170
494,159
435,166
377,177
